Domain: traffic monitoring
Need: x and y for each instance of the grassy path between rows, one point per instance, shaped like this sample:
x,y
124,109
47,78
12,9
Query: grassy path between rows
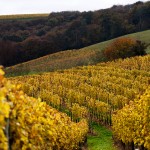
x,y
102,140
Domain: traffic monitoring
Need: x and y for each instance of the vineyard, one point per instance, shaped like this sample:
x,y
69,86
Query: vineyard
x,y
114,94
67,102
76,77
28,123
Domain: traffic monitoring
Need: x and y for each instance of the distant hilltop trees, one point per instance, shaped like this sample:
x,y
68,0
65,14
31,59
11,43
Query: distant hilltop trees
x,y
28,38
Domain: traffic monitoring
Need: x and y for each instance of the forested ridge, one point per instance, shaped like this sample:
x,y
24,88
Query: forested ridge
x,y
26,39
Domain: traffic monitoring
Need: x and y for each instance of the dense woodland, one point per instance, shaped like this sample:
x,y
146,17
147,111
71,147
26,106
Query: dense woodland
x,y
26,39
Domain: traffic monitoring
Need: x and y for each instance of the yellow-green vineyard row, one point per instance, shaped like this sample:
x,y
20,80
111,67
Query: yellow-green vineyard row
x,y
94,92
28,123
132,123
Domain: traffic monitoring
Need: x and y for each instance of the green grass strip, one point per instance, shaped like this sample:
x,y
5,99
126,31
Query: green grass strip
x,y
102,140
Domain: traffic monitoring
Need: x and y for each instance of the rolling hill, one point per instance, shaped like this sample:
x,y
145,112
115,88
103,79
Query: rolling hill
x,y
70,58
114,94
27,37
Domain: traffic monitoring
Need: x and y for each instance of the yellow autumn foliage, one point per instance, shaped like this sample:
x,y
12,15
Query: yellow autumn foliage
x,y
132,123
28,123
95,92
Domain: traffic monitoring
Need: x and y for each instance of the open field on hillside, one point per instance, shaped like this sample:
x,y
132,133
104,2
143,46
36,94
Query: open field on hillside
x,y
71,58
22,16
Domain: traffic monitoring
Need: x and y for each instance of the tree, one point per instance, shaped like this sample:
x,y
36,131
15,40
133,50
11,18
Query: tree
x,y
7,53
124,47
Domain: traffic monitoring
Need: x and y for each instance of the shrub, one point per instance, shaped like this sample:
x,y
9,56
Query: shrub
x,y
124,47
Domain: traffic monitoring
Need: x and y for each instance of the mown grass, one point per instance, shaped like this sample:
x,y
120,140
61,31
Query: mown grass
x,y
142,36
102,140
71,58
22,16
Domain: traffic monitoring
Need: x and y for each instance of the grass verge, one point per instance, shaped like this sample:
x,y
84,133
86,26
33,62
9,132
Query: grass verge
x,y
102,140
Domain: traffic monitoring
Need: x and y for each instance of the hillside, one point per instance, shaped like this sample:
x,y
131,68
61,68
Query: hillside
x,y
26,39
113,94
22,17
70,58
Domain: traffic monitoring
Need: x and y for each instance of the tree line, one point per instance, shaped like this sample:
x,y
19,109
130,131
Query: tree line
x,y
26,39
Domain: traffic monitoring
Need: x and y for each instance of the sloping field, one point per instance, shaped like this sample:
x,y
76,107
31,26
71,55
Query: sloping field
x,y
22,16
115,94
71,58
